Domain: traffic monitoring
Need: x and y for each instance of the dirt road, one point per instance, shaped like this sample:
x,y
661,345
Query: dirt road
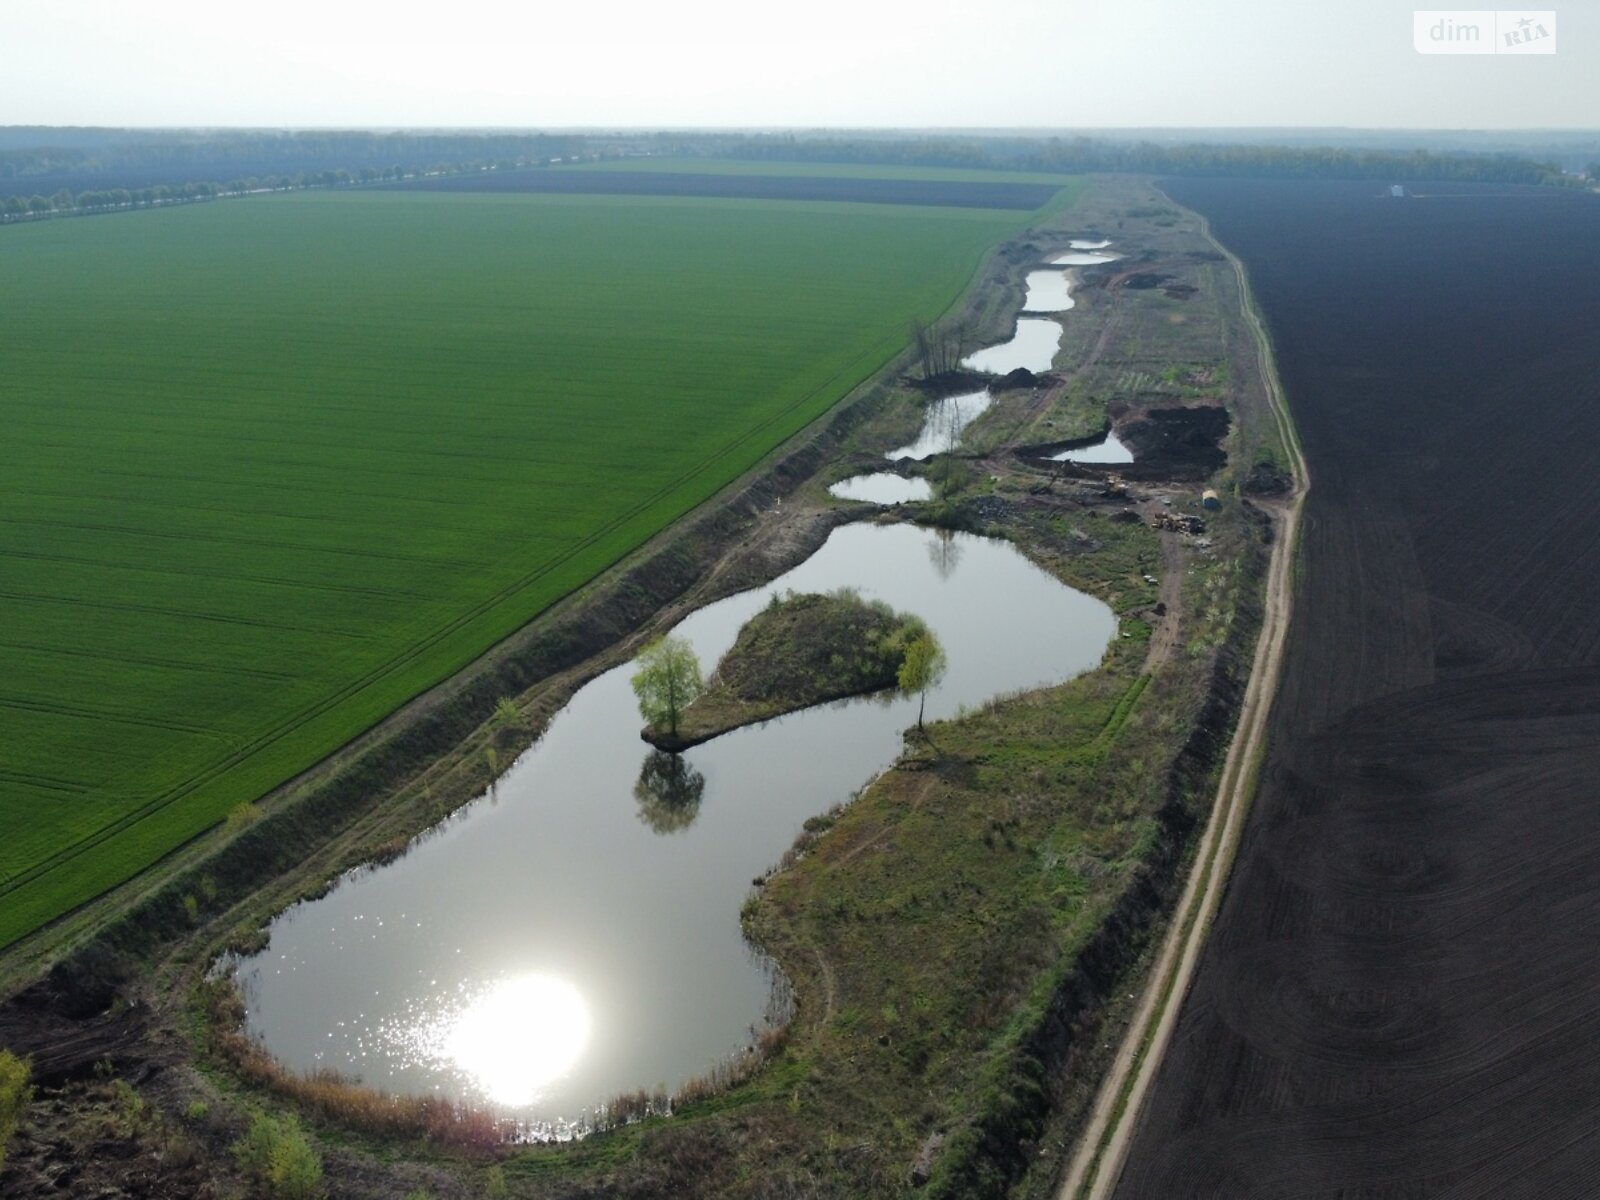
x,y
1097,1164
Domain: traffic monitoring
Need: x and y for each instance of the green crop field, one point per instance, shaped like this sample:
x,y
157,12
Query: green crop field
x,y
273,466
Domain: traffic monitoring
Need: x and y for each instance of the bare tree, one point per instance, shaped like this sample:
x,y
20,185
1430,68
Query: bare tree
x,y
939,351
922,342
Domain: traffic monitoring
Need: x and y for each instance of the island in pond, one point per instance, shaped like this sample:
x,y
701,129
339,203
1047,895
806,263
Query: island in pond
x,y
802,649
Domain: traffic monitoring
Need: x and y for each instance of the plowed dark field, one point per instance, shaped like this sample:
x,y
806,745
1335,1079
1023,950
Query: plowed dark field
x,y
1023,197
1401,995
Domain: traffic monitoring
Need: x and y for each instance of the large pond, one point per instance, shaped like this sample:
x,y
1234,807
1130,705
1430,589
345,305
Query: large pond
x,y
575,934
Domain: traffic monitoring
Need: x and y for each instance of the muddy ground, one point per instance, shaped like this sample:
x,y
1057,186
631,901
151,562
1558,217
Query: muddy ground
x,y
1398,998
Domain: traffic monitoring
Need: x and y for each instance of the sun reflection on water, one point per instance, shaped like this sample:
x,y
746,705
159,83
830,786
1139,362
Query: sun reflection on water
x,y
519,1037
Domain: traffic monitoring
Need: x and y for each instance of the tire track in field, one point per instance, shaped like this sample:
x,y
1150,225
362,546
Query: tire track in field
x,y
48,782
342,589
173,535
145,660
74,602
116,716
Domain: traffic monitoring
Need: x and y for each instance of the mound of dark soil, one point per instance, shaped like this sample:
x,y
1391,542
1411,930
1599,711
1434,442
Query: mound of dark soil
x,y
1178,438
1021,377
1267,479
950,383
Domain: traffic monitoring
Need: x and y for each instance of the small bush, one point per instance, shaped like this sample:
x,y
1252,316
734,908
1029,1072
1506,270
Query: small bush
x,y
242,816
276,1154
130,1106
16,1093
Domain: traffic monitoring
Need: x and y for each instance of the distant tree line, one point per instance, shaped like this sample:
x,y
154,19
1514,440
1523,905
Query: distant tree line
x,y
412,156
1078,155
126,169
63,201
45,151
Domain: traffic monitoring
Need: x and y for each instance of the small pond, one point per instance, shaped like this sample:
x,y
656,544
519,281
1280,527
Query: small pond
x,y
883,487
575,933
1048,291
1108,450
1080,259
1033,346
943,424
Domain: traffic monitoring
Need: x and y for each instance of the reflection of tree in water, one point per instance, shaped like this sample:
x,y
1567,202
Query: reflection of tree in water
x,y
945,552
668,792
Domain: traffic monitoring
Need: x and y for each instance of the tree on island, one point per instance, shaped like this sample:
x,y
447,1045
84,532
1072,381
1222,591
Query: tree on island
x,y
922,668
667,681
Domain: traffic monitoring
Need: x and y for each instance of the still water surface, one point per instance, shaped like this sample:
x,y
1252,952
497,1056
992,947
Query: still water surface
x,y
1048,291
1108,449
576,933
1033,346
883,487
943,424
1081,259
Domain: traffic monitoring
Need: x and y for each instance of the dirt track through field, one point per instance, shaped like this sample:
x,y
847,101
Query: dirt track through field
x,y
1103,1149
1398,997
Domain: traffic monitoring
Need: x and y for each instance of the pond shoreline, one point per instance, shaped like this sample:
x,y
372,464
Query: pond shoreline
x,y
677,743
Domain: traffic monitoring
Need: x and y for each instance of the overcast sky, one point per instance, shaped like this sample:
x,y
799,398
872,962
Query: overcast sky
x,y
755,62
